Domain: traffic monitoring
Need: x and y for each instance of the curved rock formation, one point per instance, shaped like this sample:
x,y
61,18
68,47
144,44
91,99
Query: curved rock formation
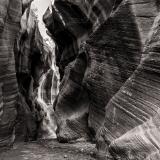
x,y
137,15
68,17
110,56
71,22
130,107
138,101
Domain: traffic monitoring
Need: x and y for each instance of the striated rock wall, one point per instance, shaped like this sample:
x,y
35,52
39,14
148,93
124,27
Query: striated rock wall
x,y
127,108
141,95
24,58
123,43
72,114
109,57
10,15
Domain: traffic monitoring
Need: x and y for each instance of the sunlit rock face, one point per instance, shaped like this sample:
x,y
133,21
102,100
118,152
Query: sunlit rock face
x,y
10,15
109,57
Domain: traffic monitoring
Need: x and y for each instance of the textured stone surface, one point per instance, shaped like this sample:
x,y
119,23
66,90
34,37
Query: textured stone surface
x,y
28,47
24,58
10,15
102,91
72,104
123,40
96,11
33,63
141,95
71,22
65,33
109,57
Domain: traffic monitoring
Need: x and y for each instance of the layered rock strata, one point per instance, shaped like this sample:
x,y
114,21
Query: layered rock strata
x,y
123,43
33,62
137,102
109,57
24,58
70,18
10,15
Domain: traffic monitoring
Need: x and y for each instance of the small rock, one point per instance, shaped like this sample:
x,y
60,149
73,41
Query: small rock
x,y
91,153
82,149
65,156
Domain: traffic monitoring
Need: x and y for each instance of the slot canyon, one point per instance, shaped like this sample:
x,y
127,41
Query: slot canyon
x,y
79,79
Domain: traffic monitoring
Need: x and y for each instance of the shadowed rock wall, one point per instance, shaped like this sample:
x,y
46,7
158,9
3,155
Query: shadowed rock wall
x,y
24,57
33,59
71,22
72,114
10,15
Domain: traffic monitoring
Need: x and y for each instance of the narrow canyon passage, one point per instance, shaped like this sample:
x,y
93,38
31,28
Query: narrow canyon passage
x,y
46,147
79,79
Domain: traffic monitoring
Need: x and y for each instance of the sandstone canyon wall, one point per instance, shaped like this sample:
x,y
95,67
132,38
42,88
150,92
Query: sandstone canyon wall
x,y
141,95
37,78
102,89
107,52
108,59
80,23
10,15
24,58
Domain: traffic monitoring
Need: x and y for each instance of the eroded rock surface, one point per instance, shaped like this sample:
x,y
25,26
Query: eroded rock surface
x,y
108,56
117,119
72,104
141,95
35,68
24,57
10,15
103,64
